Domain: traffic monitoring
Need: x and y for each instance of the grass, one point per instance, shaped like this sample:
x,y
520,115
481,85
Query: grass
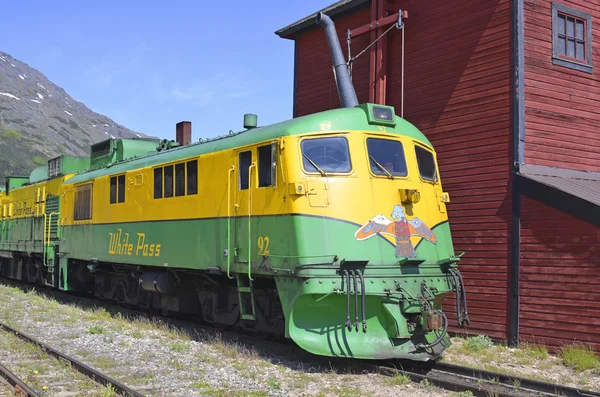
x,y
535,350
12,133
273,384
478,343
580,357
178,347
398,380
97,330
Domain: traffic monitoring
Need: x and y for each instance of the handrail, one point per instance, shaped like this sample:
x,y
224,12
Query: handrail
x,y
229,221
46,242
250,220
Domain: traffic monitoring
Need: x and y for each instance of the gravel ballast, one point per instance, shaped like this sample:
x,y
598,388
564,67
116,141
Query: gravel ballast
x,y
160,360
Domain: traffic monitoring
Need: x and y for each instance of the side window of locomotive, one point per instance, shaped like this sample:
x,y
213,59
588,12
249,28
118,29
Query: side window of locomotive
x,y
245,161
192,177
387,154
180,179
82,203
426,163
117,189
168,181
266,165
158,185
113,189
327,154
185,180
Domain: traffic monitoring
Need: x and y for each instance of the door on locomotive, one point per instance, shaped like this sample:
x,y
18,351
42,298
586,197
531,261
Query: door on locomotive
x,y
255,195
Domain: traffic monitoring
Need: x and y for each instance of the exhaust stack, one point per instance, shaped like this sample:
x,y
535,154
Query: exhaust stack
x,y
344,85
183,133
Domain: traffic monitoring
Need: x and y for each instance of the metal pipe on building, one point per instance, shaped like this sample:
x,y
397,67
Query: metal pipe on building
x,y
344,85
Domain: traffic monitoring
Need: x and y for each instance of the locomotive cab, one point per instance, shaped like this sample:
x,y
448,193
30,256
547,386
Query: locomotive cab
x,y
377,274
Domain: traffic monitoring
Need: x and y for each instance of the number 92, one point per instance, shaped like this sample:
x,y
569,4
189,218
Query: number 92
x,y
263,246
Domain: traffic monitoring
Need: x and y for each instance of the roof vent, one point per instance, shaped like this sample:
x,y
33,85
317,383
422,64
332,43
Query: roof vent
x,y
250,120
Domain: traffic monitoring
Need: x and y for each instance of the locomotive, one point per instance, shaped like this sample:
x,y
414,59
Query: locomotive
x,y
329,229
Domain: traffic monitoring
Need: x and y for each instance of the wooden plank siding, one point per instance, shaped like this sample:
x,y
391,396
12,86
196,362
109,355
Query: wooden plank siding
x,y
562,105
458,92
560,277
316,90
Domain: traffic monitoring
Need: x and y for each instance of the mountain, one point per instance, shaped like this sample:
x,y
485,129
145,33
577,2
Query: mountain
x,y
39,120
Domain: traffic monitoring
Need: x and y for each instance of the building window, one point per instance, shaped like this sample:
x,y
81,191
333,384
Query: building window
x,y
117,189
83,202
572,38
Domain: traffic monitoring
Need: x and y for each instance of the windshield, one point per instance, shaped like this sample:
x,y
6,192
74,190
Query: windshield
x,y
426,164
388,154
328,154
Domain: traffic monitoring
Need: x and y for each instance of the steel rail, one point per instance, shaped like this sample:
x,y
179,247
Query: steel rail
x,y
19,387
444,375
479,382
86,370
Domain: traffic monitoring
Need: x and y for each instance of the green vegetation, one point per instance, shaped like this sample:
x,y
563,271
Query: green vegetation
x,y
97,329
478,343
580,357
178,347
398,380
273,384
11,133
535,350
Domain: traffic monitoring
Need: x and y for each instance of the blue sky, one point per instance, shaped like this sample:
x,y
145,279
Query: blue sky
x,y
148,65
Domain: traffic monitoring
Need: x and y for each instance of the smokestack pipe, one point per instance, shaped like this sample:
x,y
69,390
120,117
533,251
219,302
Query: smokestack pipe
x,y
344,85
183,133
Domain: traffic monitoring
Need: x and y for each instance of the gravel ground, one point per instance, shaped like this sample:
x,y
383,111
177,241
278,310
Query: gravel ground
x,y
42,372
528,361
159,360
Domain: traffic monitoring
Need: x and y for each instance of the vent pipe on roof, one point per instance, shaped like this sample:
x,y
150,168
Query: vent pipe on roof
x,y
345,87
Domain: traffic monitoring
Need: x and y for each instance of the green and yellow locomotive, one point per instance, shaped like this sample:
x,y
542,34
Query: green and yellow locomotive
x,y
330,229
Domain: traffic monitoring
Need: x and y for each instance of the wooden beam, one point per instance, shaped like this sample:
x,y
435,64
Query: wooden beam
x,y
380,23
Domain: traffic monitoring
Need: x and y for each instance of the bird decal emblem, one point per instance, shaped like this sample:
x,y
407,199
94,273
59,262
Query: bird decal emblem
x,y
400,228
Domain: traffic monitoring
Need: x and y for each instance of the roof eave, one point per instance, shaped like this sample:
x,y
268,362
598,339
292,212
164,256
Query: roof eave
x,y
332,11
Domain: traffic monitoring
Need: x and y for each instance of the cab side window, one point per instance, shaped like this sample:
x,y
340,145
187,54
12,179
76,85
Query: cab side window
x,y
267,156
426,162
245,159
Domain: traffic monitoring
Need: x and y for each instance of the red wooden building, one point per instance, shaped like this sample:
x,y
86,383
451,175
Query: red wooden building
x,y
509,94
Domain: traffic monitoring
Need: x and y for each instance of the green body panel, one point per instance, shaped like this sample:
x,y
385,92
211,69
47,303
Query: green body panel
x,y
65,165
14,182
344,119
198,243
22,234
39,174
305,266
115,150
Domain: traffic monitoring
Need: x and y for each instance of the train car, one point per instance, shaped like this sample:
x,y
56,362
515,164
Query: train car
x,y
330,229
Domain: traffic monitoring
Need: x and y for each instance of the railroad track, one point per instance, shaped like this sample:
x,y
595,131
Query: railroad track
x,y
443,375
20,388
15,384
479,382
